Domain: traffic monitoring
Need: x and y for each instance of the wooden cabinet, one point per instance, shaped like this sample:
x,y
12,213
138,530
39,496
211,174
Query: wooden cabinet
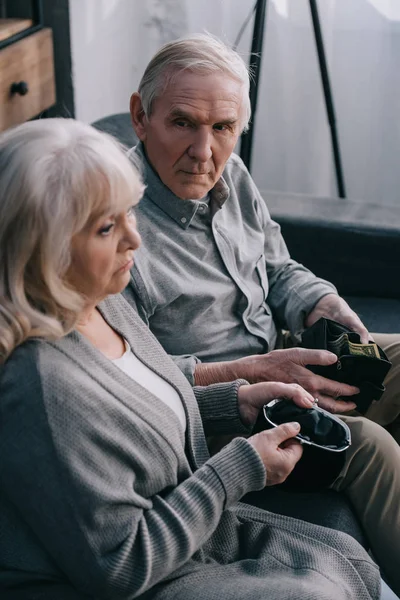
x,y
27,85
10,27
27,82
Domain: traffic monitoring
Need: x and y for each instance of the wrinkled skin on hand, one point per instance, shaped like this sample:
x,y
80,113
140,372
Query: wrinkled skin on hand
x,y
335,308
278,450
251,398
289,366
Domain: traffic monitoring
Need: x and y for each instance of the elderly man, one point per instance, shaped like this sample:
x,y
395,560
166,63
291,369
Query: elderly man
x,y
223,281
220,283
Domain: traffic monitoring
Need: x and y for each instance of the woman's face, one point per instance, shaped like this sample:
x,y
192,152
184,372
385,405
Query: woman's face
x,y
102,255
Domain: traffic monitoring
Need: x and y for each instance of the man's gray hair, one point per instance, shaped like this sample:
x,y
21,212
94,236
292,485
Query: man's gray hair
x,y
198,53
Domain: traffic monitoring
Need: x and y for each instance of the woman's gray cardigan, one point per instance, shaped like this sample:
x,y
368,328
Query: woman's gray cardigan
x,y
99,488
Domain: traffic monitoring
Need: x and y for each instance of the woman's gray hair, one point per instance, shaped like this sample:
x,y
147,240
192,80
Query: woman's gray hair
x,y
56,175
198,53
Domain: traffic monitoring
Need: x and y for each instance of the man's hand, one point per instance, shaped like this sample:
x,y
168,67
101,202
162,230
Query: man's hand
x,y
278,450
251,398
289,366
335,308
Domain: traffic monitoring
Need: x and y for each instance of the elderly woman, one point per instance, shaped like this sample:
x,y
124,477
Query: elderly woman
x,y
107,490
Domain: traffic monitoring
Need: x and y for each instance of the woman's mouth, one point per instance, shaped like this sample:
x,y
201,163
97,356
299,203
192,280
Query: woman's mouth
x,y
126,267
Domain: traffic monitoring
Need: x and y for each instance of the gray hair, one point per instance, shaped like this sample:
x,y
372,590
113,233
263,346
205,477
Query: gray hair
x,y
198,53
56,175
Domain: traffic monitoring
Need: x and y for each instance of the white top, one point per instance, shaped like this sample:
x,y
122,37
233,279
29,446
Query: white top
x,y
132,366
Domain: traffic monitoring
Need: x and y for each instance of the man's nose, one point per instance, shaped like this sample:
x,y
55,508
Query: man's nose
x,y
200,149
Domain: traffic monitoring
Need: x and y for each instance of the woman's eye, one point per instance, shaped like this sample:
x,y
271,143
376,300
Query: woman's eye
x,y
106,229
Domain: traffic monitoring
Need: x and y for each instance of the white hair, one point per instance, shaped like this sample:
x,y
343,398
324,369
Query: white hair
x,y
56,175
199,53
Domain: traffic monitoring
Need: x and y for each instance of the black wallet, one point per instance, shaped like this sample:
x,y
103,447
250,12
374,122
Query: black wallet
x,y
324,437
362,365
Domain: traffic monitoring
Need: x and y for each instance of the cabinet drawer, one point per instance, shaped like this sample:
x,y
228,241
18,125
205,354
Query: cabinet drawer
x,y
31,61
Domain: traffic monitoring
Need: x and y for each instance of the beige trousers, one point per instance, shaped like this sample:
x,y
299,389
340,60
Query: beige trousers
x,y
371,475
371,480
386,412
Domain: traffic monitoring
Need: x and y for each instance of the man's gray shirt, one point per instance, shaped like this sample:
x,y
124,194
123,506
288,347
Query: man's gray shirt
x,y
213,277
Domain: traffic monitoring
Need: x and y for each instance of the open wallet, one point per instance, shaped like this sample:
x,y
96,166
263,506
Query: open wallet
x,y
323,435
362,365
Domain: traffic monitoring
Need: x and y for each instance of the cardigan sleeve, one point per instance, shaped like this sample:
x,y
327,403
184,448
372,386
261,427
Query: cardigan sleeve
x,y
219,409
74,476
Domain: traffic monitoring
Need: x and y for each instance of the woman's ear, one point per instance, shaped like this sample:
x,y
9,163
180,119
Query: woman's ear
x,y
138,117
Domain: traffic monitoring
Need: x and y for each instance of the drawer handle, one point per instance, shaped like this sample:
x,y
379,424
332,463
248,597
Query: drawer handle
x,y
20,88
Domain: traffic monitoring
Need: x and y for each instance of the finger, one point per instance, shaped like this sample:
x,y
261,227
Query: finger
x,y
292,450
335,406
321,358
298,395
365,336
283,432
270,390
356,325
335,389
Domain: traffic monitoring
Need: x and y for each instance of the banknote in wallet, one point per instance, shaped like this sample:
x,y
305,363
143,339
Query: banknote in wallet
x,y
362,365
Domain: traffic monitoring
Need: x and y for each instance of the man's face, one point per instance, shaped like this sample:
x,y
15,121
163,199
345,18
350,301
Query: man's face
x,y
192,131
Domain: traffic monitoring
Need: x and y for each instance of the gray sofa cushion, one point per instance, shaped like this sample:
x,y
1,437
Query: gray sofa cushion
x,y
381,315
120,126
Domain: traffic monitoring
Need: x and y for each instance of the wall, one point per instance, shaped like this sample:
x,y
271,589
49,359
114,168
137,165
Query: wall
x,y
112,41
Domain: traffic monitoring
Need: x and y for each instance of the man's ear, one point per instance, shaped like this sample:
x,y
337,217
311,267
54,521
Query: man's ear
x,y
139,119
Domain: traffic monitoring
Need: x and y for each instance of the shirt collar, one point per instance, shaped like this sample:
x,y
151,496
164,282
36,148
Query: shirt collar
x,y
181,211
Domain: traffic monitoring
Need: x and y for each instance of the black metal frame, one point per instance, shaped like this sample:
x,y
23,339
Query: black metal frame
x,y
38,24
246,145
255,63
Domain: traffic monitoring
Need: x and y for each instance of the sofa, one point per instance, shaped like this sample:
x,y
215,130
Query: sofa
x,y
352,244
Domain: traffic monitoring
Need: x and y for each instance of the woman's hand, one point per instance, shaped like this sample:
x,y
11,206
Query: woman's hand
x,y
278,450
251,398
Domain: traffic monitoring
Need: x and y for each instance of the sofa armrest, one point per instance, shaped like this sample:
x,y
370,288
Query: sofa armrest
x,y
353,244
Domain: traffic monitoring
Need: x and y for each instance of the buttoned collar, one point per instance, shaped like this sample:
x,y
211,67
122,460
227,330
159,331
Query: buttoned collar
x,y
181,211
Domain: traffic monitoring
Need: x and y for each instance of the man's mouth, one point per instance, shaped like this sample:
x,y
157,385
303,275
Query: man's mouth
x,y
195,173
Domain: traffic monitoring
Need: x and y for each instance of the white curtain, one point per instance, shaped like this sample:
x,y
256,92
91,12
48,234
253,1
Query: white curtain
x,y
112,41
292,145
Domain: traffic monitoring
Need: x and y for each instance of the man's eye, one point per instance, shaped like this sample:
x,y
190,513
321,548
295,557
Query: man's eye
x,y
181,123
220,127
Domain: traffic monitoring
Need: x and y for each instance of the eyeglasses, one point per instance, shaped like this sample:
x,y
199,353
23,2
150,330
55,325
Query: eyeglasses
x,y
318,427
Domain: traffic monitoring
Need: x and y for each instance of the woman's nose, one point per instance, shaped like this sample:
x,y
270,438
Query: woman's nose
x,y
135,238
131,235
